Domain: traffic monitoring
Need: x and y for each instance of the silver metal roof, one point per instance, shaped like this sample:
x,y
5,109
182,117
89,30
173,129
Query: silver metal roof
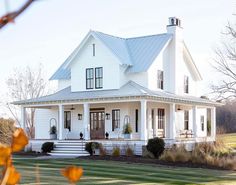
x,y
129,90
138,53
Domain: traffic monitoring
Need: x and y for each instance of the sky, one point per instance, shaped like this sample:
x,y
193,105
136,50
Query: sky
x,y
50,30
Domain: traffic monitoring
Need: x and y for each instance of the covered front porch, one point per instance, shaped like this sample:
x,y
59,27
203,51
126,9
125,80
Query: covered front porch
x,y
174,122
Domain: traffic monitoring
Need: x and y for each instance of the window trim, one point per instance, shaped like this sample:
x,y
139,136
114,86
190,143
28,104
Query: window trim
x,y
98,78
160,81
88,79
115,120
186,121
136,119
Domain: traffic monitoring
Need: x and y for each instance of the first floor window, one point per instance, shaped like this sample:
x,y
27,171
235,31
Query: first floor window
x,y
136,120
89,78
160,79
98,77
161,118
202,122
67,120
186,120
115,119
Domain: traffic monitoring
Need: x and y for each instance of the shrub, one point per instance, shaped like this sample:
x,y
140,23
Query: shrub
x,y
146,153
176,154
129,151
116,152
102,150
91,146
156,146
47,147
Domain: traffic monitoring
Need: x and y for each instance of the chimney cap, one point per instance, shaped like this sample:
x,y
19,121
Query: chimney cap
x,y
174,21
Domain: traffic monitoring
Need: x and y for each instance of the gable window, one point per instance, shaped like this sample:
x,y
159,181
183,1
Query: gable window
x,y
202,122
98,77
94,50
89,78
186,120
186,84
115,119
160,79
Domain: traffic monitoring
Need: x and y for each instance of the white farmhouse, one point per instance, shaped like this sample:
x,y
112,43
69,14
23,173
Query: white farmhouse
x,y
150,82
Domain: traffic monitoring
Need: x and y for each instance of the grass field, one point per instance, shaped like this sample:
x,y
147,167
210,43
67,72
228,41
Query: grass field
x,y
229,139
119,173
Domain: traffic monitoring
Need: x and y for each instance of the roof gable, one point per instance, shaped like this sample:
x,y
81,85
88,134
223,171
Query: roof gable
x,y
137,53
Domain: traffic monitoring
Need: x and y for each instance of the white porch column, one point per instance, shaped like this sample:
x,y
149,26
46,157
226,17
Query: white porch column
x,y
61,122
149,123
172,132
194,121
213,122
86,122
22,121
143,120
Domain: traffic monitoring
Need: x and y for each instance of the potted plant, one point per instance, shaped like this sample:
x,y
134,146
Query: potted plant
x,y
127,131
53,132
81,136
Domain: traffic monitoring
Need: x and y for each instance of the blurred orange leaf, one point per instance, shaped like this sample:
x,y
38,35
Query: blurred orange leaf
x,y
12,177
19,140
72,173
5,153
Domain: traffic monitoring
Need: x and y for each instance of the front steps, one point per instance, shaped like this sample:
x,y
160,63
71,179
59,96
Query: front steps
x,y
69,148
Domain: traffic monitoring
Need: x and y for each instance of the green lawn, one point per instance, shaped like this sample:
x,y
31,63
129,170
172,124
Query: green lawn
x,y
106,172
229,139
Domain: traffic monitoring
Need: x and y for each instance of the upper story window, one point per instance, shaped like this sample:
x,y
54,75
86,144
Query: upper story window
x,y
160,79
186,84
98,78
89,78
94,50
186,120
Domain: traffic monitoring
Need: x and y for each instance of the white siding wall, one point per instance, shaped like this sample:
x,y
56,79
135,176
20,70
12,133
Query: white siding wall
x,y
103,58
62,84
42,122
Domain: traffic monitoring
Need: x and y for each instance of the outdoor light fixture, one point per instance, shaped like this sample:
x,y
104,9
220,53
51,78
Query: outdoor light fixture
x,y
107,116
79,116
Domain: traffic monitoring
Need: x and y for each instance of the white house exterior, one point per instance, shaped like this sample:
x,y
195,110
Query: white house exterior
x,y
151,82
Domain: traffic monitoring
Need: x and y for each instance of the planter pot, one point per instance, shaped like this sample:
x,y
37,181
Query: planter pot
x,y
53,136
127,136
96,152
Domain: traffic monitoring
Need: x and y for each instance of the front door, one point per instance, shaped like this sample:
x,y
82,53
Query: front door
x,y
97,124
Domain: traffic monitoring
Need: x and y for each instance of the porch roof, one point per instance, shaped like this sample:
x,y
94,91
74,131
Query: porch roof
x,y
130,90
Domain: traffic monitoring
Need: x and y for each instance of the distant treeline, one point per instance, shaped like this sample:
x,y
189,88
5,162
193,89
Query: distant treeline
x,y
226,117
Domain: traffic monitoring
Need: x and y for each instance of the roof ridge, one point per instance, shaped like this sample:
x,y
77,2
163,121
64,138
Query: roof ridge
x,y
108,35
138,37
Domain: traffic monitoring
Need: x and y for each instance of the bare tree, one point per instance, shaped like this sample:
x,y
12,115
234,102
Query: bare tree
x,y
25,84
225,64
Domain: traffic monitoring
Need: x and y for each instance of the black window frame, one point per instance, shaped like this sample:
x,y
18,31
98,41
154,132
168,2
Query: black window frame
x,y
160,118
115,119
89,80
136,120
202,120
98,79
186,120
67,123
160,79
186,84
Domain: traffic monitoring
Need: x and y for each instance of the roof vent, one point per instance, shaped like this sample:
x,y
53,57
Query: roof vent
x,y
173,21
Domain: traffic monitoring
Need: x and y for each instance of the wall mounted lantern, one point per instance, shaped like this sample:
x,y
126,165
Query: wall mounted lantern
x,y
79,116
107,116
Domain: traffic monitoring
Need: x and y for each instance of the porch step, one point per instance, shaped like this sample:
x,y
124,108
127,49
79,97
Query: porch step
x,y
69,148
